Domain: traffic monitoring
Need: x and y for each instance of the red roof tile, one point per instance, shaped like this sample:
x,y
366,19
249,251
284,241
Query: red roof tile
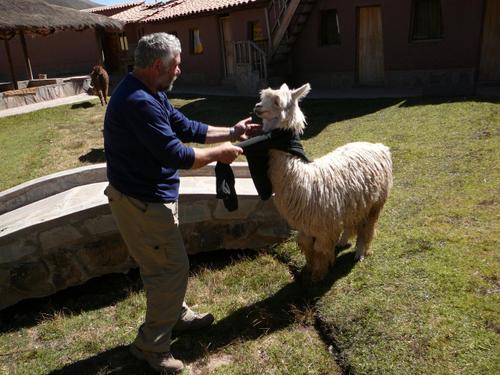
x,y
113,7
175,8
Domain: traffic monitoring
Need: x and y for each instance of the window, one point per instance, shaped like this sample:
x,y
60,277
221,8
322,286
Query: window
x,y
329,30
123,42
196,47
427,20
256,34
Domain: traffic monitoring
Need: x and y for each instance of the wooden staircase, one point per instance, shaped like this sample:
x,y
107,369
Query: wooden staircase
x,y
272,67
286,21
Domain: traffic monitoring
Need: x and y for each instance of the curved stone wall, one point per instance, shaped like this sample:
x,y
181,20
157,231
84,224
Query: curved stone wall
x,y
58,231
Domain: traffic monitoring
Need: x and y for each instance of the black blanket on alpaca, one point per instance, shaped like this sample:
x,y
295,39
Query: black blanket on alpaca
x,y
256,151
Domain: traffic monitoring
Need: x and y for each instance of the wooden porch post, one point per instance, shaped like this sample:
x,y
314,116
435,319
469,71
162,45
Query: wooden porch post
x,y
26,57
100,51
11,66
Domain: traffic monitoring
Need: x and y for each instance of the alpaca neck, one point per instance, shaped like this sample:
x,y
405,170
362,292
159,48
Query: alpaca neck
x,y
281,167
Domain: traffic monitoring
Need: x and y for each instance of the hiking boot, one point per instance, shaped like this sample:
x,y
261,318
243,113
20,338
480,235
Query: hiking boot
x,y
191,321
161,362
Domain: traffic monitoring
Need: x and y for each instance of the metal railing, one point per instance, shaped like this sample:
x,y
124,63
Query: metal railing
x,y
250,54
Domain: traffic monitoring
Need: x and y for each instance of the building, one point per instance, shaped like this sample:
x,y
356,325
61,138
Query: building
x,y
439,46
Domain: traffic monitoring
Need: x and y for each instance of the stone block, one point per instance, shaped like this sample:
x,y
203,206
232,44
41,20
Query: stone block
x,y
59,237
266,210
65,271
16,250
33,278
4,277
106,255
194,212
245,208
101,225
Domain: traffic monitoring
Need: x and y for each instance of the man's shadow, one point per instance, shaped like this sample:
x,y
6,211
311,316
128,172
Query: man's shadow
x,y
258,319
95,155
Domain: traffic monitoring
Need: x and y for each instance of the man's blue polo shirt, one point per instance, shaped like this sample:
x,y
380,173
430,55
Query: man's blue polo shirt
x,y
144,139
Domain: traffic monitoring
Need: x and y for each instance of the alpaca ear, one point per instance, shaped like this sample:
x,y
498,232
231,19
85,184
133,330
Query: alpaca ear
x,y
284,87
302,91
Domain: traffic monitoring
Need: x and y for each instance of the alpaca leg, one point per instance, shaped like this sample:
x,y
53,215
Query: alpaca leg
x,y
366,231
106,94
306,245
322,258
99,93
344,240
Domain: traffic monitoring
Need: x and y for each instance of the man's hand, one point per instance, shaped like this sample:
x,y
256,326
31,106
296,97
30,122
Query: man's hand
x,y
245,129
227,152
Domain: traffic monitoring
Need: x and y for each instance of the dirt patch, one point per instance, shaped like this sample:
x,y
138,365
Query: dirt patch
x,y
208,365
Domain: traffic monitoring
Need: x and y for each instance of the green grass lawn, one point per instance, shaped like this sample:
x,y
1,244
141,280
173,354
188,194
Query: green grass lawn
x,y
426,302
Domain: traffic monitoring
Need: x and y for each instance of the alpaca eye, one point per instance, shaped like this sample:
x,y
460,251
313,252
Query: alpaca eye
x,y
276,101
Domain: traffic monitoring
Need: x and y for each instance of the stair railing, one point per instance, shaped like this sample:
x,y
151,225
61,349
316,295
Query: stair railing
x,y
247,53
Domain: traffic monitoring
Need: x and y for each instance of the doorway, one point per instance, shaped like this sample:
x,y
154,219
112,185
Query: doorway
x,y
227,45
489,65
370,47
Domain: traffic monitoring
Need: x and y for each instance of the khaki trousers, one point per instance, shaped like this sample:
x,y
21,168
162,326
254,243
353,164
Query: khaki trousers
x,y
151,233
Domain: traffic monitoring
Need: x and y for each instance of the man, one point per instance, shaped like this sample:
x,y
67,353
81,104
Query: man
x,y
144,138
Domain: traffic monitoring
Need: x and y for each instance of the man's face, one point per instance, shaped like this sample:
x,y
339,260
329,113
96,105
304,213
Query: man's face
x,y
169,73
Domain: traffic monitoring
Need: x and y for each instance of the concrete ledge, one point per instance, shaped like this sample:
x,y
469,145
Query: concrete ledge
x,y
64,233
55,183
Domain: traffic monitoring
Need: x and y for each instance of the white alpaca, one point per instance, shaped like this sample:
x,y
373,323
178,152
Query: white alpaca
x,y
340,193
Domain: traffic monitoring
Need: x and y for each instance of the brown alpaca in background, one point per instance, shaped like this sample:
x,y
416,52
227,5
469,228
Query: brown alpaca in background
x,y
100,83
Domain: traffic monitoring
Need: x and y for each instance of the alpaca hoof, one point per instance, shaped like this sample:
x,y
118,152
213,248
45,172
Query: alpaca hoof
x,y
359,258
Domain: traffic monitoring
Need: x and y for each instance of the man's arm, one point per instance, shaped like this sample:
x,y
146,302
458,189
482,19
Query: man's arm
x,y
239,132
225,153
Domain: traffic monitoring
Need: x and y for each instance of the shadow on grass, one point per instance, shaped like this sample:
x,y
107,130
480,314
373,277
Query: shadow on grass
x,y
413,102
83,105
100,292
320,113
95,155
247,323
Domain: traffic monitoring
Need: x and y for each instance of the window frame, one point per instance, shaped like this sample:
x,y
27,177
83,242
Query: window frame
x,y
191,42
323,40
411,37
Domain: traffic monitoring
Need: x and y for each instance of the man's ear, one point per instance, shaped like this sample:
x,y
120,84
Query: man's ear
x,y
157,64
302,91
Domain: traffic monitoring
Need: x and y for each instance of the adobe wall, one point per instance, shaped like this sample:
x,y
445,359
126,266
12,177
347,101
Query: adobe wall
x,y
450,62
57,55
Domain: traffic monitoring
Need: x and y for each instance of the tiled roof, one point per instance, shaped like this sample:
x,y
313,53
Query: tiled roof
x,y
138,13
113,7
175,8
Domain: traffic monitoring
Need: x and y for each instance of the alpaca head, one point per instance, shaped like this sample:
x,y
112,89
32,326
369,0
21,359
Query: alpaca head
x,y
279,109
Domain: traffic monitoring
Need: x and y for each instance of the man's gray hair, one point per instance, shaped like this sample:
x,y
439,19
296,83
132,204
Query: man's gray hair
x,y
153,46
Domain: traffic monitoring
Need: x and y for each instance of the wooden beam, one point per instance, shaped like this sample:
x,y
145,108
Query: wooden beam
x,y
27,61
284,23
11,65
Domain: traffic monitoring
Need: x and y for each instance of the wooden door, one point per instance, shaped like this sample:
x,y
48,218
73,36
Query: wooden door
x,y
227,44
489,66
111,50
370,47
